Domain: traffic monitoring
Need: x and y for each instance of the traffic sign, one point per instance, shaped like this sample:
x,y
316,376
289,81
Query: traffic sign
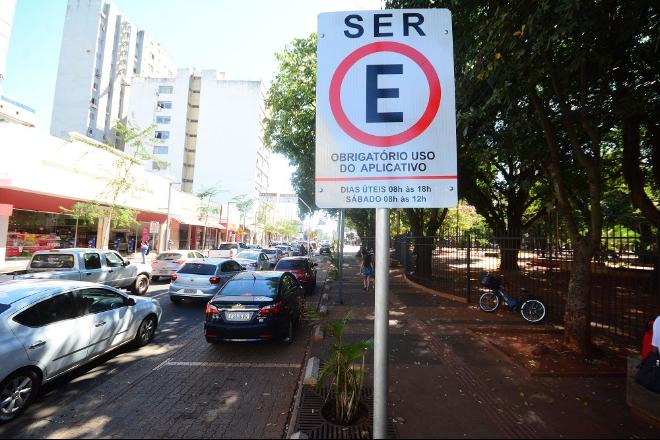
x,y
385,118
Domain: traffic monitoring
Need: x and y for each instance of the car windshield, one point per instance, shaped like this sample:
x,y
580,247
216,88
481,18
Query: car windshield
x,y
52,261
251,287
169,256
290,264
269,251
198,269
227,246
248,255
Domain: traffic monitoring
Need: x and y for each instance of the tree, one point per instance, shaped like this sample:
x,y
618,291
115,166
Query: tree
x,y
207,207
110,207
290,128
579,67
244,205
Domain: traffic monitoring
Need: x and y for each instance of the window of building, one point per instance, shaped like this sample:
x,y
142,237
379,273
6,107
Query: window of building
x,y
164,104
163,119
94,101
90,132
162,135
166,89
161,149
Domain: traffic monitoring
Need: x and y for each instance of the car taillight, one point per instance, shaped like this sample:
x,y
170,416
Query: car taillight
x,y
231,253
214,280
179,261
173,277
211,312
270,309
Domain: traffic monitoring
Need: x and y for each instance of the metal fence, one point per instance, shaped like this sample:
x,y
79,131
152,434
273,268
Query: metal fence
x,y
624,292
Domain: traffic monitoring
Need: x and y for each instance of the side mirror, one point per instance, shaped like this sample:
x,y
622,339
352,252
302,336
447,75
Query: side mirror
x,y
131,302
126,263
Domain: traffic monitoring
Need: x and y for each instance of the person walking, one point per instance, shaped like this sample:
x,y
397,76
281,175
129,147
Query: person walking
x,y
367,269
144,249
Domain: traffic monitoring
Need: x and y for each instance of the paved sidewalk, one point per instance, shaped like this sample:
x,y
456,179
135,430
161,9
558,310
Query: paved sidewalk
x,y
447,381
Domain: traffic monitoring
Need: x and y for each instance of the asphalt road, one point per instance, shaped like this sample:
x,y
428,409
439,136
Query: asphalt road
x,y
177,386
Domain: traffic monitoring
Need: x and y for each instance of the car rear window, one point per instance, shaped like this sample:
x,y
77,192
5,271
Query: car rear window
x,y
169,256
3,307
291,264
251,287
52,261
269,251
227,246
248,255
198,269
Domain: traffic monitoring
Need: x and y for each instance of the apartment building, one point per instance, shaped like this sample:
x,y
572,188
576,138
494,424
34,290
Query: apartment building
x,y
101,53
208,129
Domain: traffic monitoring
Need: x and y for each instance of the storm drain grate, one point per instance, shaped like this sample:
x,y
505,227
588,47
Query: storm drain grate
x,y
314,425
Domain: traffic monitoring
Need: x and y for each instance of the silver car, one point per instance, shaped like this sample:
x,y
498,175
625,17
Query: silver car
x,y
202,278
253,260
49,327
169,262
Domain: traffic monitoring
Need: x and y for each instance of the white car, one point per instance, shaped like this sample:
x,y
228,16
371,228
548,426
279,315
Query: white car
x,y
49,327
169,262
253,260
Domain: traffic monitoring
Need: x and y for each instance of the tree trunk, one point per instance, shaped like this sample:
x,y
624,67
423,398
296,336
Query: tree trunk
x,y
577,318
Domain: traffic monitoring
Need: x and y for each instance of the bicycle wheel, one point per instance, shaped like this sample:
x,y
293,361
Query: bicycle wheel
x,y
533,311
489,302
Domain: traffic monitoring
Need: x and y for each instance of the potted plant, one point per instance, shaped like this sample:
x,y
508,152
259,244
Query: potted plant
x,y
342,376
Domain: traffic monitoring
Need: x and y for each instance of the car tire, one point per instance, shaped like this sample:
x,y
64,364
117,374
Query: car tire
x,y
146,331
26,383
140,285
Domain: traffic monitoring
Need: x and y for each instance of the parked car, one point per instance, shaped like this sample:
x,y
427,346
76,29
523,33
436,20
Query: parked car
x,y
255,306
49,327
86,264
202,278
226,250
302,268
325,249
253,260
167,263
274,255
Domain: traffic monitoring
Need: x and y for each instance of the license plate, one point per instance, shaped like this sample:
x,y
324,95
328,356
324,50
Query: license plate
x,y
189,290
239,316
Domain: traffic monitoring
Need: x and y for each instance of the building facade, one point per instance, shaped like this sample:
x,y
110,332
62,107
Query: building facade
x,y
35,212
100,55
208,129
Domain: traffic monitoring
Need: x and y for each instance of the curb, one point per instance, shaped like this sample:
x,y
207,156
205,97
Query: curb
x,y
431,291
293,415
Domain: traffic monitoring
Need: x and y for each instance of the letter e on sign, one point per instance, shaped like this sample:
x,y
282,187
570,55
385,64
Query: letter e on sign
x,y
385,113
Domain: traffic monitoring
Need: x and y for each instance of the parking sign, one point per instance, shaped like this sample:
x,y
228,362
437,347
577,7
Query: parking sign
x,y
386,119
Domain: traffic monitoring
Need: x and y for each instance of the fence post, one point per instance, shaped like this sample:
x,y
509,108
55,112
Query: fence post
x,y
469,254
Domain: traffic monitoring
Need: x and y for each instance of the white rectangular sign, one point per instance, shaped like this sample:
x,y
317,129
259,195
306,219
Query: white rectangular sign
x,y
385,114
154,227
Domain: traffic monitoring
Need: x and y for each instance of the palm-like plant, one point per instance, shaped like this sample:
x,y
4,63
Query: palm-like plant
x,y
343,372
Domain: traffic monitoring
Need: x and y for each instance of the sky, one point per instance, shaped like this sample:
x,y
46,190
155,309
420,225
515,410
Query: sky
x,y
236,37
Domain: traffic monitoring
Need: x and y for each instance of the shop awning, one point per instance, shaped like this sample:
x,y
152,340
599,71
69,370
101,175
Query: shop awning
x,y
197,222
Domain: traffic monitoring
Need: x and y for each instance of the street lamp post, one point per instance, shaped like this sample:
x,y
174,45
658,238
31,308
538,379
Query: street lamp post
x,y
227,235
169,205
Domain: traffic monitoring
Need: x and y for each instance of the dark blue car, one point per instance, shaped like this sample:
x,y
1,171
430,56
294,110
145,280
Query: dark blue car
x,y
255,306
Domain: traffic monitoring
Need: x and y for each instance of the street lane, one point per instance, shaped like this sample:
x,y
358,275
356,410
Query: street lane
x,y
178,386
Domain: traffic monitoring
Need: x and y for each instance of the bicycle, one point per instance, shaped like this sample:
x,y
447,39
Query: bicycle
x,y
532,309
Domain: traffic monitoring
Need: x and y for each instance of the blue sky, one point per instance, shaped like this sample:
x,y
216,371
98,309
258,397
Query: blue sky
x,y
237,37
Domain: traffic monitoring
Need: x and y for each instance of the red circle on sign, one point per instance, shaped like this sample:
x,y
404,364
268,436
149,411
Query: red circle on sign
x,y
399,138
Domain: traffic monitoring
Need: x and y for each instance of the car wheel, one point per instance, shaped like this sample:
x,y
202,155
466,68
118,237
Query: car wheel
x,y
17,392
146,331
141,285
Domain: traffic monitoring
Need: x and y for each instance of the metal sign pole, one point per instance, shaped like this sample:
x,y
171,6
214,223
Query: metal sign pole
x,y
381,321
340,249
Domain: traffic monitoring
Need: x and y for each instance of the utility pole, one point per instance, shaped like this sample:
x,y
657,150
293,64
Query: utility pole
x,y
167,225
